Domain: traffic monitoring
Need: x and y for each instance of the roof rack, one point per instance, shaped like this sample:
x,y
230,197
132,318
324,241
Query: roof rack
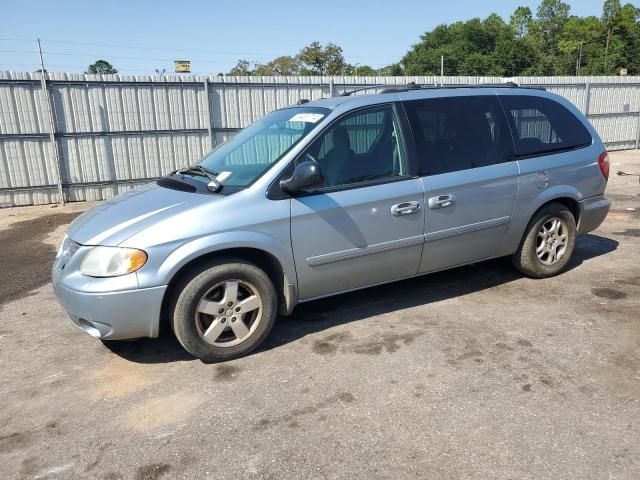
x,y
414,86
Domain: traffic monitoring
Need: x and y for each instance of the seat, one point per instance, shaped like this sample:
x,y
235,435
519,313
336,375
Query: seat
x,y
340,160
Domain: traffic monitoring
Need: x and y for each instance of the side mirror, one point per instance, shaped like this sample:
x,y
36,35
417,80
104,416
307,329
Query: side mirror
x,y
306,174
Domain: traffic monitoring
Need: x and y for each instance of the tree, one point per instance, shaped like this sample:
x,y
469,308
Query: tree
x,y
627,38
393,70
551,17
552,42
284,65
520,21
610,13
241,68
621,37
360,70
579,46
101,67
474,47
318,60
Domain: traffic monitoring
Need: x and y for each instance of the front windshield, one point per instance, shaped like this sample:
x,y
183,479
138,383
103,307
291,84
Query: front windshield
x,y
251,152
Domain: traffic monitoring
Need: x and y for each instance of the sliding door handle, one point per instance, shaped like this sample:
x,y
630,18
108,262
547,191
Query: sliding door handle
x,y
405,208
442,201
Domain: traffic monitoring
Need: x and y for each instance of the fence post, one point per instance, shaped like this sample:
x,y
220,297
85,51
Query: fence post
x,y
638,133
587,98
52,124
209,119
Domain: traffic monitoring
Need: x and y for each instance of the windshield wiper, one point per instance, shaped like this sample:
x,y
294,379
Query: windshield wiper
x,y
199,170
216,180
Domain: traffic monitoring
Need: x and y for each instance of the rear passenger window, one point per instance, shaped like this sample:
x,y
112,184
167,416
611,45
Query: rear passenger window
x,y
543,126
459,133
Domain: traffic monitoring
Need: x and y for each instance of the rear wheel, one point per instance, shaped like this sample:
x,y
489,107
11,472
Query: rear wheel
x,y
224,311
548,244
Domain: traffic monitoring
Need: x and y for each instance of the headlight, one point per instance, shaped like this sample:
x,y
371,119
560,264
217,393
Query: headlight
x,y
112,261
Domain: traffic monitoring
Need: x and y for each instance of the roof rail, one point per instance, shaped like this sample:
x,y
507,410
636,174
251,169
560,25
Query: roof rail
x,y
414,86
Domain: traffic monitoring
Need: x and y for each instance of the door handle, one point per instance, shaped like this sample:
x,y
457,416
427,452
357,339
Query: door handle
x,y
442,201
405,208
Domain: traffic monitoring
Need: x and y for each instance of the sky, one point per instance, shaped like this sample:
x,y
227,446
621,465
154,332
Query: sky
x,y
140,36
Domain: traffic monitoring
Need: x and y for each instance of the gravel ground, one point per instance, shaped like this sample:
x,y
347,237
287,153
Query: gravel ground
x,y
472,373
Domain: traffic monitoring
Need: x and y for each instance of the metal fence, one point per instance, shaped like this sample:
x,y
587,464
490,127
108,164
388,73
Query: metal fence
x,y
89,137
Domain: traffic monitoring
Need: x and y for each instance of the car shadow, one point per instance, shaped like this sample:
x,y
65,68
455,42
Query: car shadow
x,y
319,315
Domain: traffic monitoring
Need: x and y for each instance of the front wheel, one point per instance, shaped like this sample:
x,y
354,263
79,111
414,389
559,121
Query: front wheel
x,y
224,311
548,244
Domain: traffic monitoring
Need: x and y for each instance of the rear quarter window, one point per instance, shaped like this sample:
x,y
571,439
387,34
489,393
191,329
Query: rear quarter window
x,y
543,126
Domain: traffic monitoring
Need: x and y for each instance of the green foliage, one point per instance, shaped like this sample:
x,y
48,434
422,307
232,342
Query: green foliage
x,y
282,66
314,59
521,21
553,42
243,67
101,67
318,60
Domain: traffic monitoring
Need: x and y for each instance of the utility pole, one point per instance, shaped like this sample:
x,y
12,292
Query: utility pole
x,y
52,124
442,70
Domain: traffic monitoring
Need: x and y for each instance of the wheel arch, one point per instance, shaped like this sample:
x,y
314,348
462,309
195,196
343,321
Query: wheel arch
x,y
571,203
568,200
283,279
566,195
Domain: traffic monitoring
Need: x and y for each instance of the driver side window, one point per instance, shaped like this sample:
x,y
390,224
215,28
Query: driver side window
x,y
361,147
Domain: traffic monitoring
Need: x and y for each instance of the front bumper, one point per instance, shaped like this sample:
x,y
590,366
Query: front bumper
x,y
593,211
114,315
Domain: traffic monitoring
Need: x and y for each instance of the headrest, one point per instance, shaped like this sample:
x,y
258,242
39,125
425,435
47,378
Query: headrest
x,y
341,137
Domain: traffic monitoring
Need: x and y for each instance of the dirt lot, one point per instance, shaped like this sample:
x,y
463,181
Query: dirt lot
x,y
472,373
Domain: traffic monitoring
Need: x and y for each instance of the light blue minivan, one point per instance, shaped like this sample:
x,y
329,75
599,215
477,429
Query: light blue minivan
x,y
331,196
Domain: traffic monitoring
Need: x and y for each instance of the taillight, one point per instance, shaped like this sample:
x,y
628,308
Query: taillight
x,y
603,163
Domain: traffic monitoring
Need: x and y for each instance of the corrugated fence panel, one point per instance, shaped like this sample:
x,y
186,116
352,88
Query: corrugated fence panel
x,y
114,132
614,99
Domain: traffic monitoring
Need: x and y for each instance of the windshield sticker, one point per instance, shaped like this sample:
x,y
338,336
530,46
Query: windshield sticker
x,y
307,117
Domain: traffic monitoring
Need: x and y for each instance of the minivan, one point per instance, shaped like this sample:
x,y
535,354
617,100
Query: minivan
x,y
330,196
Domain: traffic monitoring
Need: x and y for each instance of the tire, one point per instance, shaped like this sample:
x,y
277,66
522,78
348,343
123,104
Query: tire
x,y
205,317
535,260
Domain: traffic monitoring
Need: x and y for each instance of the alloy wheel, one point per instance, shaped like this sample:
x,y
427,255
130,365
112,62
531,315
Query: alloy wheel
x,y
228,313
551,242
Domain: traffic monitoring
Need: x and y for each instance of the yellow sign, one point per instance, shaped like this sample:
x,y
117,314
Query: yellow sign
x,y
183,66
623,71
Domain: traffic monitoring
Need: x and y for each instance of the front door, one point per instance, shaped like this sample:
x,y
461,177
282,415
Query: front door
x,y
365,225
470,177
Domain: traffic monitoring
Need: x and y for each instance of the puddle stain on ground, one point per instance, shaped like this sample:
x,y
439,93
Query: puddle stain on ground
x,y
112,476
152,472
608,293
345,342
27,255
226,373
162,411
14,441
292,418
629,232
632,281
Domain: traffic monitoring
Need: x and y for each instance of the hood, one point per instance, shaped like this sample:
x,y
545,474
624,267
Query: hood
x,y
113,221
